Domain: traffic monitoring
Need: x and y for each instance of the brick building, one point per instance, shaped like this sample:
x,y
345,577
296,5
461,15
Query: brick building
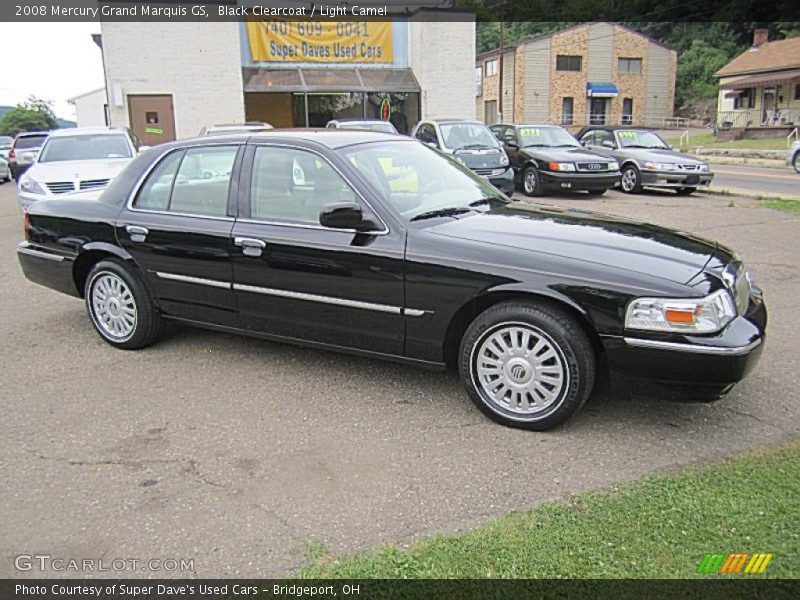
x,y
593,73
168,80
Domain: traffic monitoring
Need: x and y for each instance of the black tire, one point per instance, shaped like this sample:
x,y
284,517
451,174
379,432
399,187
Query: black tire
x,y
796,162
685,191
599,192
571,350
147,323
531,182
636,177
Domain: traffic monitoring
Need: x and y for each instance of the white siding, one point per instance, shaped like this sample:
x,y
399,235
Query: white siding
x,y
601,51
442,56
537,81
658,103
198,63
90,109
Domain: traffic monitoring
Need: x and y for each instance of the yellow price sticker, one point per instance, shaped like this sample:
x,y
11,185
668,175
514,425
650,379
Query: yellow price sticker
x,y
530,132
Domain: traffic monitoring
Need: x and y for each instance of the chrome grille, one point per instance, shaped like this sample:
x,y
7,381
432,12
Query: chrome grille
x,y
60,187
592,167
489,172
692,168
93,184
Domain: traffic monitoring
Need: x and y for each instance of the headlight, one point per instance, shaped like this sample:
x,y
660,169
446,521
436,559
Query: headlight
x,y
30,186
660,166
459,160
503,160
557,166
683,315
704,168
613,166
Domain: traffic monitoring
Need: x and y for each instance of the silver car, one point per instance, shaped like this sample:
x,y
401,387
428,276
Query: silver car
x,y
24,150
646,160
5,170
793,157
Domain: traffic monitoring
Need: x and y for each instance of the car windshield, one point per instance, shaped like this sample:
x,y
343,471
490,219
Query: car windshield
x,y
467,135
546,136
30,141
416,180
85,147
383,126
632,138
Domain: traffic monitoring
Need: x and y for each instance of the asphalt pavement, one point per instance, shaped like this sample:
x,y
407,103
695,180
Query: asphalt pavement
x,y
763,181
241,454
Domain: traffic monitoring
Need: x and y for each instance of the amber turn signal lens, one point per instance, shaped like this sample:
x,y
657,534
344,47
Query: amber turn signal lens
x,y
679,316
554,166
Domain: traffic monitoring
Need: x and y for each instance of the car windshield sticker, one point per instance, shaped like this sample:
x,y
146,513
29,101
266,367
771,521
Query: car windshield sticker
x,y
628,134
530,132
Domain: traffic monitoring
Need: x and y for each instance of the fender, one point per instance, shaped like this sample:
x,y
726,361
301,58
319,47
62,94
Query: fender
x,y
546,292
107,247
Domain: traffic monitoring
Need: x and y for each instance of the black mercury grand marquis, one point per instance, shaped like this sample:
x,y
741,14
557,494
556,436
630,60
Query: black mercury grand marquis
x,y
379,245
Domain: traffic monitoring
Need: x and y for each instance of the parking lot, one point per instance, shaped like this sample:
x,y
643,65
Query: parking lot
x,y
243,454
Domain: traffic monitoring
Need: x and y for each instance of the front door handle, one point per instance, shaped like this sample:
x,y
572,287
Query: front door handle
x,y
138,234
250,246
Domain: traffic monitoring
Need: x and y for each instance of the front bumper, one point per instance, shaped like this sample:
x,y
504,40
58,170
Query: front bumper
x,y
578,181
503,182
48,268
689,367
675,179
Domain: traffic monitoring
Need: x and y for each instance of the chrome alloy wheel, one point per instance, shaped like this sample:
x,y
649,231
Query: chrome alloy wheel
x,y
628,179
113,307
520,370
529,181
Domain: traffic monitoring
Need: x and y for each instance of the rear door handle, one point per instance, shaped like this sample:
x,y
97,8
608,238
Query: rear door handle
x,y
138,234
250,246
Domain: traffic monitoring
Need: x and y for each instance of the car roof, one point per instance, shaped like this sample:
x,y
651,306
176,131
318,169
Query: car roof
x,y
445,121
357,120
526,125
330,138
614,128
68,132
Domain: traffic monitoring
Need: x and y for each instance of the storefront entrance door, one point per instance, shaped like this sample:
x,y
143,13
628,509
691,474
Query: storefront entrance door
x,y
152,118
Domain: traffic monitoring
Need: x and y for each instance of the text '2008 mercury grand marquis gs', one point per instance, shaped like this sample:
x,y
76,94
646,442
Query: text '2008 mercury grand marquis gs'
x,y
388,248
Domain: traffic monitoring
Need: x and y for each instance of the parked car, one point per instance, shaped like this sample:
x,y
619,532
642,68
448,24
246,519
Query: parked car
x,y
392,250
793,157
225,129
24,150
471,144
546,158
5,145
77,159
5,170
366,124
647,160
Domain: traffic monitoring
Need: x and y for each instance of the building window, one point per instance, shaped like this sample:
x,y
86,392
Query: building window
x,y
478,81
630,65
565,62
490,112
627,111
567,110
747,99
492,67
797,91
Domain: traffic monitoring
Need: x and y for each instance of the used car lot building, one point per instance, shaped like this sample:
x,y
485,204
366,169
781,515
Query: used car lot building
x,y
594,73
183,76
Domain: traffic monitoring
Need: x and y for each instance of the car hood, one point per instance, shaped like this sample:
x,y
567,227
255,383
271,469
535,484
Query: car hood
x,y
78,170
662,156
586,236
564,154
481,158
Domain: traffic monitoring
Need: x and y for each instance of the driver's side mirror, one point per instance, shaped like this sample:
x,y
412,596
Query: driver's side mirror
x,y
608,144
433,145
344,215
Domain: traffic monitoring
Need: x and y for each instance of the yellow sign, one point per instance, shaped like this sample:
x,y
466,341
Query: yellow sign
x,y
320,41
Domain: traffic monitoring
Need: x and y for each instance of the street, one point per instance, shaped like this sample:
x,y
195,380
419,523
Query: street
x,y
244,455
768,182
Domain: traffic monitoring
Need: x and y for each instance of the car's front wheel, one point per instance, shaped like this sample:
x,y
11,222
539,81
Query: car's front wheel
x,y
527,365
796,162
631,182
120,306
531,182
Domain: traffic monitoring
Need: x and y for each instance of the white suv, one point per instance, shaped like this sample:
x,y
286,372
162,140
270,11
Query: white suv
x,y
77,160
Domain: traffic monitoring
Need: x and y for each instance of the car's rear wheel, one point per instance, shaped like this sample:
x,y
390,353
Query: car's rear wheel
x,y
631,182
597,192
796,162
685,191
527,365
120,306
531,182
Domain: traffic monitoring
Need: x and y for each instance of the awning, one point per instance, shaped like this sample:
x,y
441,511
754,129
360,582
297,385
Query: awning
x,y
775,78
601,90
329,80
733,93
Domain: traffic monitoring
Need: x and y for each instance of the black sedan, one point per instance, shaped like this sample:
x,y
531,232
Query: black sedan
x,y
379,245
547,158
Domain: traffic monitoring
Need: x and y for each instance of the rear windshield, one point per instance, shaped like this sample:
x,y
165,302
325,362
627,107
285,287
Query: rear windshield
x,y
29,141
5,141
85,147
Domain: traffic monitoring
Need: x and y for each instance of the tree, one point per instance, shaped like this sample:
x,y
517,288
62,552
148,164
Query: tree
x,y
34,114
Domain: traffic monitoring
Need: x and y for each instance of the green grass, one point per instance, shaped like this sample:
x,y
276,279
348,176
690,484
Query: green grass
x,y
790,206
708,140
659,527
